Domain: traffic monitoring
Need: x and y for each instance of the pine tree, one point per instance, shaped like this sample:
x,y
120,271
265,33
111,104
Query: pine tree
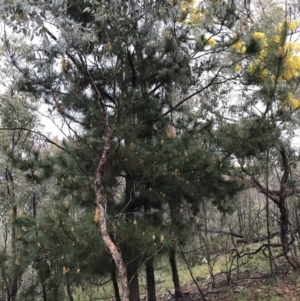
x,y
126,71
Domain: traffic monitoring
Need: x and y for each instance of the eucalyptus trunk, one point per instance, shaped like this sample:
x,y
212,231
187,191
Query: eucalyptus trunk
x,y
101,208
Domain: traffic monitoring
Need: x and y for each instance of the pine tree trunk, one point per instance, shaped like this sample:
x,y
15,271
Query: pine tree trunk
x,y
44,292
128,249
56,296
14,284
297,223
133,278
69,292
44,273
115,282
151,291
10,193
172,255
175,277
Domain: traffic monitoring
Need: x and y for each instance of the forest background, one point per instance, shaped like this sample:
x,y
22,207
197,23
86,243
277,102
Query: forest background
x,y
180,125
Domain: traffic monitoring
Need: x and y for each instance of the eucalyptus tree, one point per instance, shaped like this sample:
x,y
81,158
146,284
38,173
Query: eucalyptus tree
x,y
17,118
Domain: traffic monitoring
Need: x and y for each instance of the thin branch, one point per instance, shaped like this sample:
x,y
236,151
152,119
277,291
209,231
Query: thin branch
x,y
191,273
47,139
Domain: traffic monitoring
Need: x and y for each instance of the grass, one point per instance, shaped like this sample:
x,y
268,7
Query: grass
x,y
201,272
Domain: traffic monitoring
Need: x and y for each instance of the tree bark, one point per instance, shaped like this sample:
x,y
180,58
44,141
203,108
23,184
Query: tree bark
x,y
130,253
279,198
175,277
101,207
297,223
100,199
133,278
44,292
69,289
115,282
284,214
150,276
151,290
284,228
10,192
113,249
14,284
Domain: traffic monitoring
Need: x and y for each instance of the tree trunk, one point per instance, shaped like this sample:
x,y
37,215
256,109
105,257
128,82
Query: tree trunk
x,y
113,249
129,250
175,277
151,291
133,279
69,292
101,208
297,224
279,198
284,228
268,217
10,193
115,282
284,214
14,284
44,292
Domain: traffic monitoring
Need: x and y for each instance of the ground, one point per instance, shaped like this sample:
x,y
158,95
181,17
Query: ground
x,y
247,286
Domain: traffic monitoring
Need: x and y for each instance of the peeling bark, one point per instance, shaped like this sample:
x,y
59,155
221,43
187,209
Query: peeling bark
x,y
112,247
100,198
101,206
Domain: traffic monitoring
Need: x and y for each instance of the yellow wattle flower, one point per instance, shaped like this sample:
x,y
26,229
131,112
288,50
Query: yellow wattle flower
x,y
276,39
293,25
259,35
238,68
293,102
211,41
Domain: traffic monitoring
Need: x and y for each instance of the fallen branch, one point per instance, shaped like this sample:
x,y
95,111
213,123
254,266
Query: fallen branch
x,y
222,232
257,239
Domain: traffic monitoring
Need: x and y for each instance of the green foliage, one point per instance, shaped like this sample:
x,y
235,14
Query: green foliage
x,y
249,138
138,65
